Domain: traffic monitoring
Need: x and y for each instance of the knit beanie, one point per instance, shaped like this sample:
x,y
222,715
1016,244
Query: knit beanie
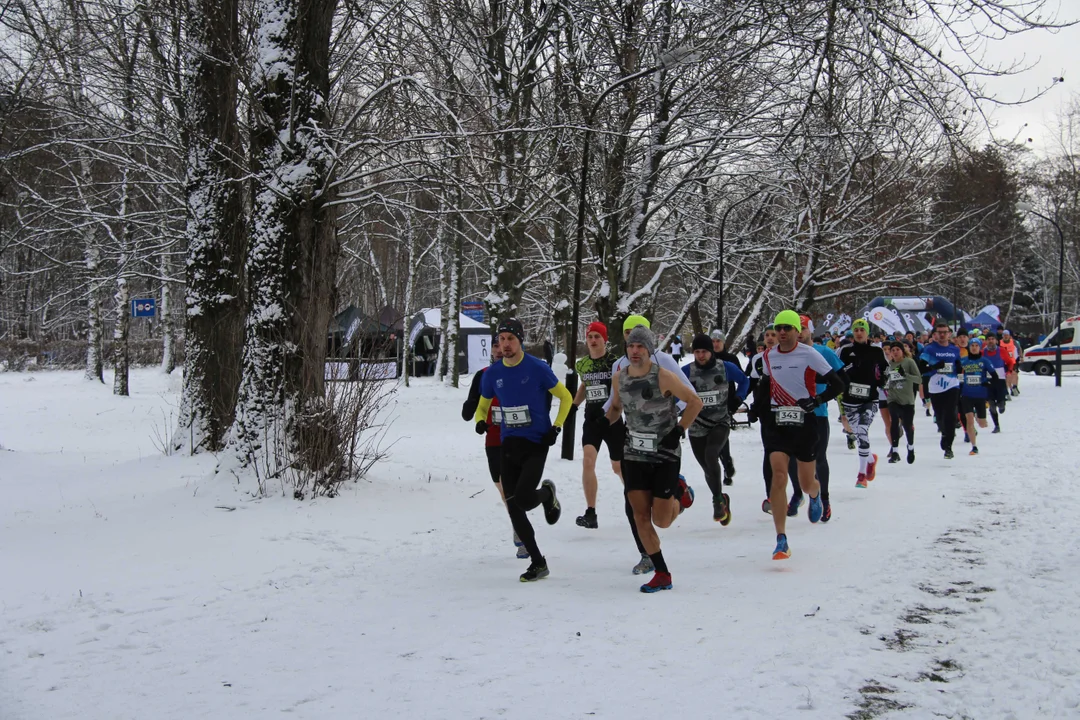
x,y
701,342
642,336
598,327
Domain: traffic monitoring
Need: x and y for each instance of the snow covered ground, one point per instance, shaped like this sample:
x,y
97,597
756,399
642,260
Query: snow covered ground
x,y
137,585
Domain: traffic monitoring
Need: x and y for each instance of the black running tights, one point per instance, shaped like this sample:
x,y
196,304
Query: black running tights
x,y
902,416
522,469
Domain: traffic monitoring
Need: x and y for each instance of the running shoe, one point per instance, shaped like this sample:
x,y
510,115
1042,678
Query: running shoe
x,y
588,520
644,565
522,553
871,468
850,441
826,513
660,581
910,457
517,541
966,438
949,454
894,457
766,506
536,571
794,504
1015,390
995,431
552,509
729,477
721,511
861,481
974,450
782,551
687,498
816,509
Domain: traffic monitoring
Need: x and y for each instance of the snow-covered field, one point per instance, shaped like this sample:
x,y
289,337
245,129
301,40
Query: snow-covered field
x,y
136,585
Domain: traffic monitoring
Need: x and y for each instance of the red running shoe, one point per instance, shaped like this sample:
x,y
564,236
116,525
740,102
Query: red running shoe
x,y
871,468
660,581
687,498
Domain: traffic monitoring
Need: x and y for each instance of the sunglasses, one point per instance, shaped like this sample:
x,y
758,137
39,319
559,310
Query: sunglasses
x,y
784,328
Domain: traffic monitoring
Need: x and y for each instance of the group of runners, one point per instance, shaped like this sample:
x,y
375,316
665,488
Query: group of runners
x,y
643,404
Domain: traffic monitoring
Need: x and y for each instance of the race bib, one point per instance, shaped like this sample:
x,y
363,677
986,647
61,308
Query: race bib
x,y
517,416
859,391
973,379
645,442
596,393
895,376
496,415
789,416
710,399
1000,372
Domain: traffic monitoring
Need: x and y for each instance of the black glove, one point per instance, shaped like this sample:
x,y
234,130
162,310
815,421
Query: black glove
x,y
671,440
937,366
552,435
481,427
809,404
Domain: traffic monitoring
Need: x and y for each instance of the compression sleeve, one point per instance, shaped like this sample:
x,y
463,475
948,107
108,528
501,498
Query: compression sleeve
x,y
468,408
835,387
565,400
482,409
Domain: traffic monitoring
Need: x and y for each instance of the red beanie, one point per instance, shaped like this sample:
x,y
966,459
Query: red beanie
x,y
598,327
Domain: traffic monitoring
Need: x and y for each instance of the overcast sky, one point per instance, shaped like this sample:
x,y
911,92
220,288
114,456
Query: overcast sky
x,y
1053,55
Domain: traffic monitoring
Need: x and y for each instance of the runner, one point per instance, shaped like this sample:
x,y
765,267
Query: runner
x,y
647,393
942,363
594,375
520,382
997,385
904,377
865,366
493,437
1010,353
821,418
719,342
709,433
757,371
676,349
790,393
665,361
975,391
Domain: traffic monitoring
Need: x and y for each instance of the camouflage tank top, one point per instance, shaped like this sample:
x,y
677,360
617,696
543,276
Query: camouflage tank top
x,y
649,416
711,384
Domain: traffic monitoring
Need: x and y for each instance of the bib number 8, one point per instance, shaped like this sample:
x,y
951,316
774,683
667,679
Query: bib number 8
x,y
517,416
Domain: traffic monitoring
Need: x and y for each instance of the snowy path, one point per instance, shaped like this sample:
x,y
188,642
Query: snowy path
x,y
944,589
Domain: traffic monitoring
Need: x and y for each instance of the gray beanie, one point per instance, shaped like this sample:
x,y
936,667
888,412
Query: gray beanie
x,y
718,335
642,336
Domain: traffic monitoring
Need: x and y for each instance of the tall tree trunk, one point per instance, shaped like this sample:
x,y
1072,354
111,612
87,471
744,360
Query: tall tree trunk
x,y
120,337
283,419
168,330
216,232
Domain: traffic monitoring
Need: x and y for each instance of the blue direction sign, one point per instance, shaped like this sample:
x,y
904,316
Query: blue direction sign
x,y
143,307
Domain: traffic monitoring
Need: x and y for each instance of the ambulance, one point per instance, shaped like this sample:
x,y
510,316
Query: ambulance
x,y
1040,358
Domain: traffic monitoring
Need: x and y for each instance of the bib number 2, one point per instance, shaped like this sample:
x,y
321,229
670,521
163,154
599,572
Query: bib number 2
x,y
643,442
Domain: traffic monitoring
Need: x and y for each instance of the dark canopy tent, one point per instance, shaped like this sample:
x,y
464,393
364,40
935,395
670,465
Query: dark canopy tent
x,y
354,340
984,321
425,335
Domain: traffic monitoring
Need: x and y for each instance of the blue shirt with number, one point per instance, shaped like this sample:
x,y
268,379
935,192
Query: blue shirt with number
x,y
944,378
977,374
522,391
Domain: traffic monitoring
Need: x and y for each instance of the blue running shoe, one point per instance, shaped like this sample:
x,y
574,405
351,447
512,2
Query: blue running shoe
x,y
782,552
815,508
522,554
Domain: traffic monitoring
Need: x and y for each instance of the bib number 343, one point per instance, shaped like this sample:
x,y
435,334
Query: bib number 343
x,y
789,415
